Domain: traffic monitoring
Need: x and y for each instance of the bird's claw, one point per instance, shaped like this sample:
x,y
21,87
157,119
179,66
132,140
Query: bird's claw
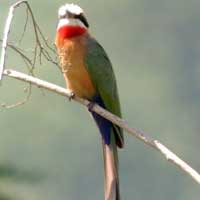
x,y
71,96
90,106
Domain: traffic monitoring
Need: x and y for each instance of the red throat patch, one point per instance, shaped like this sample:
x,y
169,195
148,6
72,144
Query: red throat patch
x,y
71,31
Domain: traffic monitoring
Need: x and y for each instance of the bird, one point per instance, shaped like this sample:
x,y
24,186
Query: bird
x,y
89,74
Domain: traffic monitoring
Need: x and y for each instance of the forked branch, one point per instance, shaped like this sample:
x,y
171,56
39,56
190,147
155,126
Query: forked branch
x,y
41,47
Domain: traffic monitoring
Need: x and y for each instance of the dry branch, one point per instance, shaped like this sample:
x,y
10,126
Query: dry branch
x,y
6,34
169,155
41,44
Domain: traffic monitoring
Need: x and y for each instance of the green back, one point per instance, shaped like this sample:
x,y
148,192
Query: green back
x,y
101,73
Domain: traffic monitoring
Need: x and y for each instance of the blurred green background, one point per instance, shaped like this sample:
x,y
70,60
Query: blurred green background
x,y
50,147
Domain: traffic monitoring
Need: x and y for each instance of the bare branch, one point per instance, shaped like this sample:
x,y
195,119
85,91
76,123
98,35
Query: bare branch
x,y
169,155
22,102
39,50
39,35
19,51
6,34
25,26
39,39
42,49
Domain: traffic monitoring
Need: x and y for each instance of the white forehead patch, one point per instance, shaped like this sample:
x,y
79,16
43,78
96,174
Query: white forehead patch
x,y
70,22
72,8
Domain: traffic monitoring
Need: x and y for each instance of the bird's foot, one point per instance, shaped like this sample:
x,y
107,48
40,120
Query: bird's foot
x,y
71,96
90,106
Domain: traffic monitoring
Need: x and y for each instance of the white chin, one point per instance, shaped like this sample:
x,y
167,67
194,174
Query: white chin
x,y
70,22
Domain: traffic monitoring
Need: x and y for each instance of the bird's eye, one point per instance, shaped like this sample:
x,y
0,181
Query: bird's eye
x,y
83,19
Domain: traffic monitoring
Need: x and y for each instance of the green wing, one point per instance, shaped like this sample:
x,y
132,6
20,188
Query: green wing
x,y
101,73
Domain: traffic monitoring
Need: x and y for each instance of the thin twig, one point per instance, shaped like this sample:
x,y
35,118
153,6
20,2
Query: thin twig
x,y
169,155
38,52
22,102
22,55
38,35
25,26
39,39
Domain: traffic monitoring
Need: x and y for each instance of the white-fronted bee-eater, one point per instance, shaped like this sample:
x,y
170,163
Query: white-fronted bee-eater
x,y
89,74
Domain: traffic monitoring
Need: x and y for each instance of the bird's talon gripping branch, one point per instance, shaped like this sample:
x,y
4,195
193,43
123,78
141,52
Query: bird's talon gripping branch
x,y
90,106
71,96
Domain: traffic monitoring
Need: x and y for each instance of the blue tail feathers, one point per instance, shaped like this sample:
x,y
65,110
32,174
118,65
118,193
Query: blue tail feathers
x,y
103,124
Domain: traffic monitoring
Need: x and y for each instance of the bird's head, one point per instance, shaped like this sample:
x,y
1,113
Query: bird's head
x,y
72,21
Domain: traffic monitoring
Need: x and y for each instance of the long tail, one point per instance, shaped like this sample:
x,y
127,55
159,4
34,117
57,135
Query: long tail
x,y
111,171
110,155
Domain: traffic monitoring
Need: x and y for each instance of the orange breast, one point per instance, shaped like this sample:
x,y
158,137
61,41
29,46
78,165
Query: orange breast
x,y
72,53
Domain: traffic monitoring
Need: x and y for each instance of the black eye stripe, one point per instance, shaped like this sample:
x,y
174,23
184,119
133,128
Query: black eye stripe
x,y
83,19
